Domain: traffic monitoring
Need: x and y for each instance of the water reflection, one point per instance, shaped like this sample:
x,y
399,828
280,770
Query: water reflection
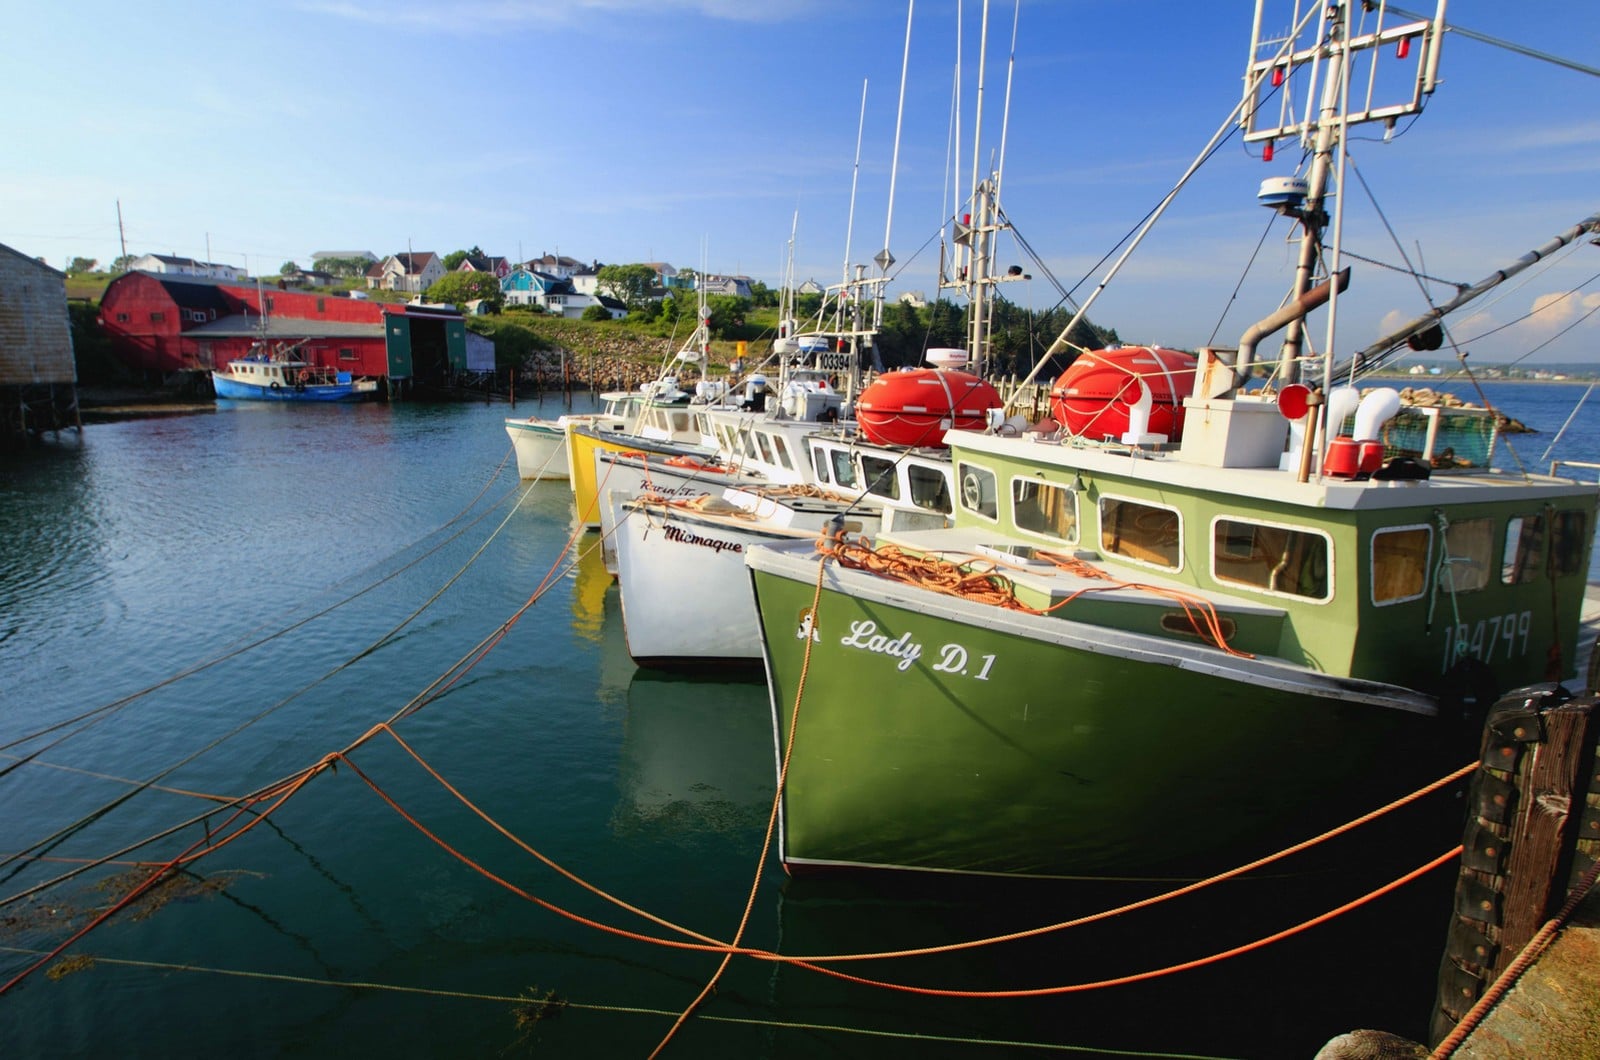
x,y
696,758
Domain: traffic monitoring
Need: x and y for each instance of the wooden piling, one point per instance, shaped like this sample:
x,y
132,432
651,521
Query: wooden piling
x,y
1532,832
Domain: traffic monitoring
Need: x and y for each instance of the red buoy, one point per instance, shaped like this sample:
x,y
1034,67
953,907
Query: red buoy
x,y
1092,398
914,407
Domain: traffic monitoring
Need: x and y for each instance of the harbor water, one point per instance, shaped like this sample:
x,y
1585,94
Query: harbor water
x,y
193,609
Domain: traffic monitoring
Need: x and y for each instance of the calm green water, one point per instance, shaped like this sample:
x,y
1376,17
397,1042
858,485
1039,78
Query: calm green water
x,y
151,547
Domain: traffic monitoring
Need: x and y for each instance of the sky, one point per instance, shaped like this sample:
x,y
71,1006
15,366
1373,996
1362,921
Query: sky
x,y
738,136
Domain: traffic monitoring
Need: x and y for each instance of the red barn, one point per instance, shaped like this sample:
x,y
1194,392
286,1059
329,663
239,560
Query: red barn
x,y
163,324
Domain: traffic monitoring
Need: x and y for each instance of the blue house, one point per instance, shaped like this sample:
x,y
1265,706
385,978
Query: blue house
x,y
554,294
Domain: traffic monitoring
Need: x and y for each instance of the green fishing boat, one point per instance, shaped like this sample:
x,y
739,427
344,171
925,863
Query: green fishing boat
x,y
1184,620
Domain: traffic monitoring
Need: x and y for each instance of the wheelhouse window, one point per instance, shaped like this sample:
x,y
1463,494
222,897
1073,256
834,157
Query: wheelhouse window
x,y
929,489
1568,539
1400,563
1523,560
844,469
1046,508
1146,533
880,477
347,353
1468,555
1273,559
780,446
979,490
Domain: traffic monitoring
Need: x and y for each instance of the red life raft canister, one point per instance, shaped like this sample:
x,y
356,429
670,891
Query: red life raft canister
x,y
915,406
1093,396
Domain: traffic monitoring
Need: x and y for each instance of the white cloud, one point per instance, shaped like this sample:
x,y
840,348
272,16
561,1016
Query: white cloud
x,y
1553,312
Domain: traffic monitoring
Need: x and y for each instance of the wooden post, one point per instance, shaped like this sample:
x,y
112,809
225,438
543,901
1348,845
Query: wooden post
x,y
1530,833
1544,827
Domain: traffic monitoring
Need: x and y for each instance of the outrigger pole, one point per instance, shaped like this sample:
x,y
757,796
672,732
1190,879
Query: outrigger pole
x,y
1379,352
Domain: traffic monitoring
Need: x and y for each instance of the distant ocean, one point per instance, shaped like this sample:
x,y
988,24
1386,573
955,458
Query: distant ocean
x,y
193,608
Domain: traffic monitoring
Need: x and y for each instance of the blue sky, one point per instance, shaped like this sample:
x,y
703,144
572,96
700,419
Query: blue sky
x,y
697,131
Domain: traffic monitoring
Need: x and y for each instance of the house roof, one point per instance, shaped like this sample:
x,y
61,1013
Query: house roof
x,y
415,262
191,292
32,260
169,259
560,260
243,325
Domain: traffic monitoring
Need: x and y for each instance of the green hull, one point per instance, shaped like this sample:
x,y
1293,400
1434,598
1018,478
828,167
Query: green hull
x,y
1007,744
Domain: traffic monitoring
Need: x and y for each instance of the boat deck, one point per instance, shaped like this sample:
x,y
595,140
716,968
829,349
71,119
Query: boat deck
x,y
1047,581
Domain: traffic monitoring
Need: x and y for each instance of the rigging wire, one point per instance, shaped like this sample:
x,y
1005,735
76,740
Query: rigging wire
x,y
1510,46
61,834
240,649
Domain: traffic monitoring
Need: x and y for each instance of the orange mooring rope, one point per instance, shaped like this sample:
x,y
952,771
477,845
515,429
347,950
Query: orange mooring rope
x,y
766,839
185,857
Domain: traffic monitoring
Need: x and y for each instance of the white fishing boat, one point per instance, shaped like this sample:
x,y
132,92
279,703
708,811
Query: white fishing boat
x,y
541,443
686,600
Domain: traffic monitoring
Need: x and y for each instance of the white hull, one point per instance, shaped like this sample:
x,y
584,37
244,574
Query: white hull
x,y
686,594
541,447
623,478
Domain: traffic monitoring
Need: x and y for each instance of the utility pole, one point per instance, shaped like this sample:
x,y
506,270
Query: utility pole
x,y
122,236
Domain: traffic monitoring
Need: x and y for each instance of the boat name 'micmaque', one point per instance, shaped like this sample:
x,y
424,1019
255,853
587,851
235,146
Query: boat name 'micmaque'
x,y
714,544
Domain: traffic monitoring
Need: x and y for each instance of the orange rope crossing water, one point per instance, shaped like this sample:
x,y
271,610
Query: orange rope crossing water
x,y
284,790
189,854
292,784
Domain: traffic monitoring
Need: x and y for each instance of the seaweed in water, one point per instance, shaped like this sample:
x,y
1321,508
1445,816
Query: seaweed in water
x,y
532,1008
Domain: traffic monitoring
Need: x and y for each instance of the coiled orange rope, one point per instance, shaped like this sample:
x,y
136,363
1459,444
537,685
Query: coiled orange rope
x,y
992,587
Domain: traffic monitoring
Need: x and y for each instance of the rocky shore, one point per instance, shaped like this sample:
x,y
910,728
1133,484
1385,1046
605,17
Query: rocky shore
x,y
1425,397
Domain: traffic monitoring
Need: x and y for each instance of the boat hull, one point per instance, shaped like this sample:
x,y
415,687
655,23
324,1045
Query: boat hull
x,y
628,475
584,440
941,735
686,599
541,448
233,390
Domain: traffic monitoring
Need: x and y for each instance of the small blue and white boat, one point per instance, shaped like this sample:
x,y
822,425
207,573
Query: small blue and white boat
x,y
278,375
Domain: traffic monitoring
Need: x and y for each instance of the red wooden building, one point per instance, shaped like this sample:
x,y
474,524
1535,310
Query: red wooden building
x,y
166,324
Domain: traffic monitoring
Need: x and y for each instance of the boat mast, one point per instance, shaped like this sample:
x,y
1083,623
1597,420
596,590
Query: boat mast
x,y
1328,61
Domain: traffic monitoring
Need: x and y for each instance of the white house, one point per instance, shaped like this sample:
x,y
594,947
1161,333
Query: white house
x,y
738,286
558,265
406,272
586,280
175,266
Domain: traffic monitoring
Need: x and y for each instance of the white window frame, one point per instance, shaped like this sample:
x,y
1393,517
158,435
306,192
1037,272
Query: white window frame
x,y
1122,557
1372,565
1230,585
